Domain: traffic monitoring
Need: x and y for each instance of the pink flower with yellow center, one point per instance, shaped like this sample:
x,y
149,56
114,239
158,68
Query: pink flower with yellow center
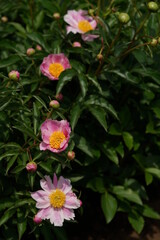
x,y
80,22
56,201
53,65
55,135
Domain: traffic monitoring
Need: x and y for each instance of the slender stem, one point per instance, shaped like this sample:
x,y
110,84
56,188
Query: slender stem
x,y
31,2
98,7
132,49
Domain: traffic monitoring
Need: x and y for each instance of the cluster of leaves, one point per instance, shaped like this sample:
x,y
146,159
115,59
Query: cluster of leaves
x,y
112,104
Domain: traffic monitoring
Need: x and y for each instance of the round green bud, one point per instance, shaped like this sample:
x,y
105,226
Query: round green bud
x,y
99,56
123,18
91,12
153,6
154,42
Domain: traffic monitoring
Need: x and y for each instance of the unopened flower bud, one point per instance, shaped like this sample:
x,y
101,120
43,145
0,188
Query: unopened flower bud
x,y
154,42
31,167
153,6
100,56
37,219
56,16
30,51
71,155
4,19
59,96
38,48
77,44
14,75
124,18
54,104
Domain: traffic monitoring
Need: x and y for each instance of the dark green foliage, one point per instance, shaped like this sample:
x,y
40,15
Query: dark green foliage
x,y
112,105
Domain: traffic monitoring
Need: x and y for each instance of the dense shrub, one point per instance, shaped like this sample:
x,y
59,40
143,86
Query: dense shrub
x,y
111,91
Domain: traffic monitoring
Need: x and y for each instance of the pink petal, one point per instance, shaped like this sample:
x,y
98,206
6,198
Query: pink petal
x,y
43,146
39,196
71,201
68,214
55,181
44,213
64,185
47,184
44,204
89,37
56,217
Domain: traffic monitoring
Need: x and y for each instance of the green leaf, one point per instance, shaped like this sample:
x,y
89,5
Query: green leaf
x,y
148,72
84,146
39,20
109,206
26,130
11,162
38,38
112,155
154,171
136,221
41,102
18,27
75,114
115,129
95,82
100,115
7,154
83,84
9,61
96,184
101,102
35,117
21,223
18,169
11,145
149,212
3,106
65,77
128,139
127,76
127,193
7,215
148,178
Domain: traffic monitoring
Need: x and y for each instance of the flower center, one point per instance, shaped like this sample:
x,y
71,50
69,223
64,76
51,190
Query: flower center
x,y
57,199
56,139
55,69
84,26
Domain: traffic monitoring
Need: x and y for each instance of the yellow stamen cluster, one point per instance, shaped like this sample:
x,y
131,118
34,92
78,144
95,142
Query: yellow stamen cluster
x,y
55,69
84,26
57,198
56,139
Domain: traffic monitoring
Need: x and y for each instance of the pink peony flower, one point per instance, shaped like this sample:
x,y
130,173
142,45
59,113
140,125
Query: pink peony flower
x,y
14,75
79,22
53,65
31,167
55,135
56,201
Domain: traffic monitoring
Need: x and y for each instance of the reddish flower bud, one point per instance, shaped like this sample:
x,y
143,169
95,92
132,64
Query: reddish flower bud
x,y
54,104
31,167
37,219
14,75
77,44
56,16
4,19
100,56
30,51
80,202
71,155
59,96
38,48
